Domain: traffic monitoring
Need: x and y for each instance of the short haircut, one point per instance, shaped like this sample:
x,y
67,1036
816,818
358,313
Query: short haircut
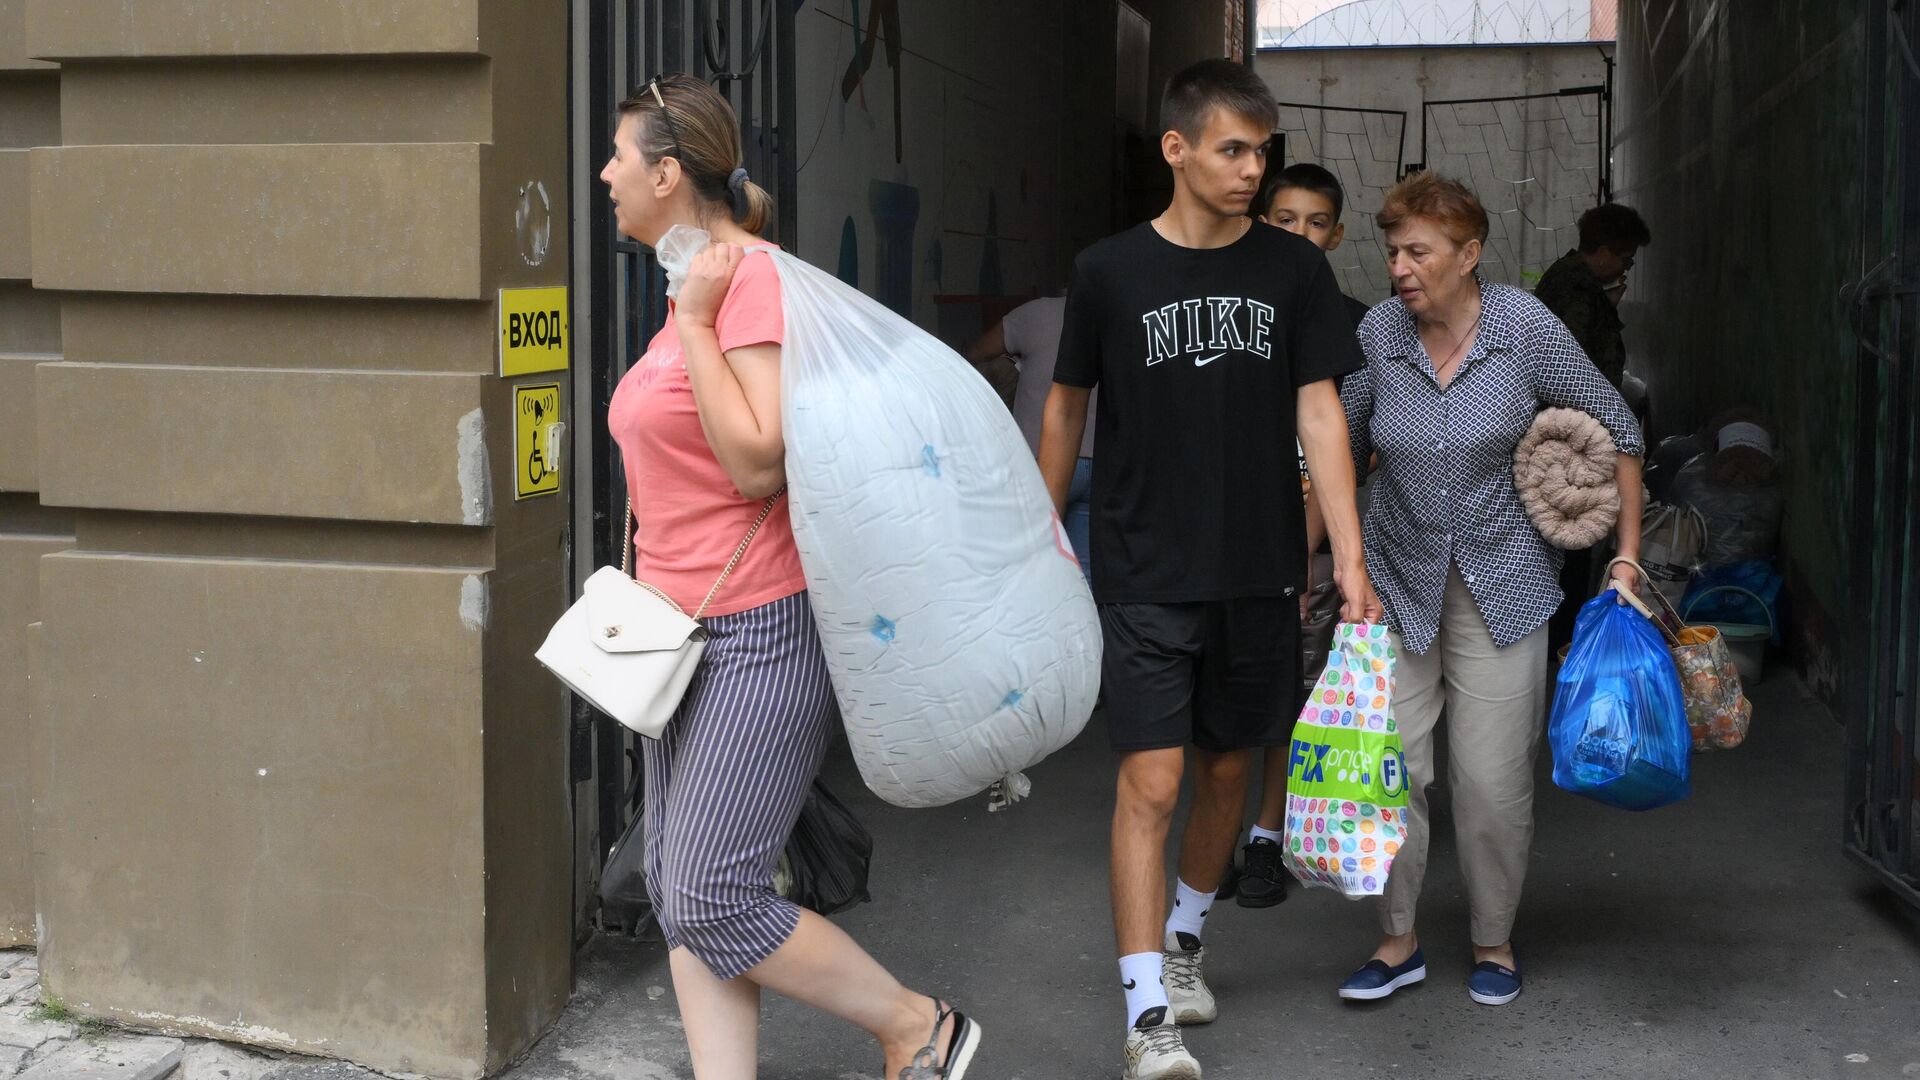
x,y
1446,203
1307,177
1614,227
1196,90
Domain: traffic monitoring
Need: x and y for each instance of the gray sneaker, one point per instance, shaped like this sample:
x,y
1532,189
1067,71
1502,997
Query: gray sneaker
x,y
1155,1050
1186,983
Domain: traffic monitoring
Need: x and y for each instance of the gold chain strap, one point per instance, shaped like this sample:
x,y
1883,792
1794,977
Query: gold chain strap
x,y
626,542
626,554
740,551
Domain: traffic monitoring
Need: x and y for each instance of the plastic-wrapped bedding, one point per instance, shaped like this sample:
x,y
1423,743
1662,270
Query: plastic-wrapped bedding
x,y
962,640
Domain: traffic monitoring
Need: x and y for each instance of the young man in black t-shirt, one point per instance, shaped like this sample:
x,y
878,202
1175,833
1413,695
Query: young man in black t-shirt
x,y
1213,344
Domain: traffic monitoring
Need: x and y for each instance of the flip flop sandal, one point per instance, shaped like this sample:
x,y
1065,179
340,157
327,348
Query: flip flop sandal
x,y
961,1046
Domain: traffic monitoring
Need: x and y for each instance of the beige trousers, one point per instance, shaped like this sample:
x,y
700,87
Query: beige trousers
x,y
1494,700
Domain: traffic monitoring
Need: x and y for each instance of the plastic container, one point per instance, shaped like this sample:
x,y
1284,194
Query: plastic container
x,y
1746,642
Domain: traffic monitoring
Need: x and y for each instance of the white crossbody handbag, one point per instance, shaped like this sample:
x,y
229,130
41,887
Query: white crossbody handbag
x,y
629,649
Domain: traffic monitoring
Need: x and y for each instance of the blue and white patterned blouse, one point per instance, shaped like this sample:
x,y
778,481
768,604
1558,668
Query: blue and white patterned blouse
x,y
1444,492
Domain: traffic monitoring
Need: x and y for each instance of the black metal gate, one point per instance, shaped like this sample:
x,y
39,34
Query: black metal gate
x,y
1883,772
745,49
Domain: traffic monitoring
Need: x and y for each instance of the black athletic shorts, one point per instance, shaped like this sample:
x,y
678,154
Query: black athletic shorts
x,y
1221,674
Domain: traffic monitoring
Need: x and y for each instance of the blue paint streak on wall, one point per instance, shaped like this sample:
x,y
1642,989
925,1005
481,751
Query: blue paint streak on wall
x,y
896,209
849,271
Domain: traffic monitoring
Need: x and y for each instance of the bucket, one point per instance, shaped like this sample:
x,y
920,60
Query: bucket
x,y
1746,642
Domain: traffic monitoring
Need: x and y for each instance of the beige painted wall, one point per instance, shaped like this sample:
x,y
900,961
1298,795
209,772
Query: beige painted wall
x,y
29,336
296,778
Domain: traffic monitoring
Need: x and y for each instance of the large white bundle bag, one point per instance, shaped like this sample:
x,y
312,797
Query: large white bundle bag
x,y
963,642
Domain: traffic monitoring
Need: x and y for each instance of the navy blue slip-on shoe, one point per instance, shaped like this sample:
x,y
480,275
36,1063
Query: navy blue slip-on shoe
x,y
1492,984
1375,980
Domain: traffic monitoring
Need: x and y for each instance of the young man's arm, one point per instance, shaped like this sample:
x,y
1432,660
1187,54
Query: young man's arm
x,y
1323,437
1062,424
991,345
1076,371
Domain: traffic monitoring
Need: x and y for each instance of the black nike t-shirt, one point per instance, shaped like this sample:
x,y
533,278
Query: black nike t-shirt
x,y
1198,355
1356,309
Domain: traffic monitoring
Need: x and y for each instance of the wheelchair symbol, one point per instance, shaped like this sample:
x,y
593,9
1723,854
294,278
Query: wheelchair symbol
x,y
536,461
539,439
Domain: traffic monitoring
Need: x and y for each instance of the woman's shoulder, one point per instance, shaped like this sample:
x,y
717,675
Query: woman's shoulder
x,y
755,278
1513,301
753,312
1386,323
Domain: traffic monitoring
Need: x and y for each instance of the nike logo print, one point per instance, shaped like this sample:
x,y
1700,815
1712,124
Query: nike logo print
x,y
1128,985
1203,361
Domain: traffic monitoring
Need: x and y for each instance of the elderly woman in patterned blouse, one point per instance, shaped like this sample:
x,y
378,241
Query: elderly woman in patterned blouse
x,y
1457,368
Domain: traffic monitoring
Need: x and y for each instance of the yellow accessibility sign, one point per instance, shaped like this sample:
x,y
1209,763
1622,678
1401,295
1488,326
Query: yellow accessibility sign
x,y
536,440
534,331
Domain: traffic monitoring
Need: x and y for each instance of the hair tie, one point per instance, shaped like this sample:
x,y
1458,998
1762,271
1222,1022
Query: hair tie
x,y
737,200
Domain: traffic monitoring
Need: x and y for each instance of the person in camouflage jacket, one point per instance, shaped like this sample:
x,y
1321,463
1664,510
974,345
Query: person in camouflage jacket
x,y
1584,287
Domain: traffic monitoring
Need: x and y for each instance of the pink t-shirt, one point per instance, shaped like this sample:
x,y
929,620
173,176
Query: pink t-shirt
x,y
689,517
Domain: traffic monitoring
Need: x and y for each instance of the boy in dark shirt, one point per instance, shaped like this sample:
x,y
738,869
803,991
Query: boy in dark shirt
x,y
1212,341
1305,200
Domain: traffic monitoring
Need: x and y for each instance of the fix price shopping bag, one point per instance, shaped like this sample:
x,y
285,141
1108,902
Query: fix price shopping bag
x,y
1347,775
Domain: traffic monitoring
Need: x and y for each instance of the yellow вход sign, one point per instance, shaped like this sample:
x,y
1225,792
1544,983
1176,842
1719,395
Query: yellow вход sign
x,y
534,331
536,440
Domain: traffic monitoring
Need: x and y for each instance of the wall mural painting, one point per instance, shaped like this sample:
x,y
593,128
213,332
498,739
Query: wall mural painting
x,y
884,16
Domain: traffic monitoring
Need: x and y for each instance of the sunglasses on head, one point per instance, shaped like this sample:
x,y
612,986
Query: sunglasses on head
x,y
673,133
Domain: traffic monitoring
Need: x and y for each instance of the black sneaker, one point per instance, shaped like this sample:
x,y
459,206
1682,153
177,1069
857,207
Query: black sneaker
x,y
1263,881
1229,882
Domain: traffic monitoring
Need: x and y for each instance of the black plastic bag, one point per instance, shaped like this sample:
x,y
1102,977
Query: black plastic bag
x,y
823,867
826,861
1323,614
624,903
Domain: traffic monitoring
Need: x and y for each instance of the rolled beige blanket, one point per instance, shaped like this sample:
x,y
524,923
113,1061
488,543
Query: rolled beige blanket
x,y
1564,473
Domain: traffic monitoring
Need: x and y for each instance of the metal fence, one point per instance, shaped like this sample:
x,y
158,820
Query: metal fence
x,y
745,49
1537,162
1882,821
1367,150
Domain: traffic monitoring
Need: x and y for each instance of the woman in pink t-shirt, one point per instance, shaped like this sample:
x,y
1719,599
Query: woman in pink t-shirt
x,y
697,420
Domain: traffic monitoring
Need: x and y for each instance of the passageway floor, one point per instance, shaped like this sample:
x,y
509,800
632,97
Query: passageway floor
x,y
1723,937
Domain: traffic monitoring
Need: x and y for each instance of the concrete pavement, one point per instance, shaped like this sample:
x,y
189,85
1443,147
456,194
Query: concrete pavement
x,y
1723,937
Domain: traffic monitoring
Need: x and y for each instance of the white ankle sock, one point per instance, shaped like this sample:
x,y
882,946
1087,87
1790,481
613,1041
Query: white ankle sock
x,y
1258,833
1140,978
1189,914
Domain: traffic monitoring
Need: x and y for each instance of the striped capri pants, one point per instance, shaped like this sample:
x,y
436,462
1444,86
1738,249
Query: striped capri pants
x,y
726,780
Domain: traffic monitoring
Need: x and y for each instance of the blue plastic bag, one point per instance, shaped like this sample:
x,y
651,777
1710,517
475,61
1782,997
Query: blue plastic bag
x,y
1619,728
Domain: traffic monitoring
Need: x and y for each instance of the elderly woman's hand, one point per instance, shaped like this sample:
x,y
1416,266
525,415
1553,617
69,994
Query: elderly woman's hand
x,y
1624,574
1362,604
